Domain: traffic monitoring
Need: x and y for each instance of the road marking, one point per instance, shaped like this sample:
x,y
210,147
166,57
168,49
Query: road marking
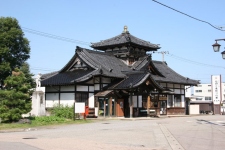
x,y
174,144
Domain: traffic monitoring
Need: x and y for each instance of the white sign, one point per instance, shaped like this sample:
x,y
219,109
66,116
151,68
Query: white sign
x,y
216,89
79,107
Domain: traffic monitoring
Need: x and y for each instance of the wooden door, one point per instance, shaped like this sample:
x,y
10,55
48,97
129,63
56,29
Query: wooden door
x,y
120,108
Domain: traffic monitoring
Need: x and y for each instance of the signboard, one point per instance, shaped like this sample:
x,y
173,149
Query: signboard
x,y
79,107
162,98
216,89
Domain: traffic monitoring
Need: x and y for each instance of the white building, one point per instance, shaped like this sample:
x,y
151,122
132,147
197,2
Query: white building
x,y
201,97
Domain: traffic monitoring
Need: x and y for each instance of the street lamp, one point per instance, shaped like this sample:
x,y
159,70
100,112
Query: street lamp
x,y
216,47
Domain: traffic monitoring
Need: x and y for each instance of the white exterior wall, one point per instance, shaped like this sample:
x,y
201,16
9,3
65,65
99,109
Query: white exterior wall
x,y
182,101
140,101
91,100
194,109
206,92
52,99
223,91
82,88
134,99
67,99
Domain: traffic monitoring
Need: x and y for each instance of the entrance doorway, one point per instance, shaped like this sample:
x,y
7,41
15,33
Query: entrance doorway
x,y
120,108
163,105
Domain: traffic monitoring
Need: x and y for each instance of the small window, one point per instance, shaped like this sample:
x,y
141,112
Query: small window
x,y
209,90
198,99
208,98
82,97
198,91
209,85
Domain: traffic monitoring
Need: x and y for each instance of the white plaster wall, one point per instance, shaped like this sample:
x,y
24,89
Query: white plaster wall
x,y
97,86
67,102
140,101
67,99
91,88
182,101
91,100
134,99
52,99
188,91
177,91
82,88
194,109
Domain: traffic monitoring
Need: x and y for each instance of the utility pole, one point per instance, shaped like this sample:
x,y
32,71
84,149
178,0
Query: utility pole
x,y
163,52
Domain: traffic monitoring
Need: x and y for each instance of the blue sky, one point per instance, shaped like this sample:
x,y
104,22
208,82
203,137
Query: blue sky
x,y
188,41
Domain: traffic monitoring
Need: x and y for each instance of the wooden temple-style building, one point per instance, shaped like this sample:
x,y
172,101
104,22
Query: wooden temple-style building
x,y
118,78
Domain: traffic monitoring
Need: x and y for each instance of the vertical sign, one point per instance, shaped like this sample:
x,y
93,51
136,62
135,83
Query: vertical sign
x,y
216,89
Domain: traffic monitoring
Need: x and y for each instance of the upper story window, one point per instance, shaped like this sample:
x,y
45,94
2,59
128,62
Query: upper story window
x,y
198,91
209,90
208,98
198,99
199,85
209,85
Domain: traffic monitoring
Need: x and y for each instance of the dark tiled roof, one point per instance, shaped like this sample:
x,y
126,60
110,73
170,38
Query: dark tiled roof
x,y
133,80
106,64
65,78
170,75
123,39
48,75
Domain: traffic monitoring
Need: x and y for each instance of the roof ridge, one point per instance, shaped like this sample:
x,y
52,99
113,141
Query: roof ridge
x,y
96,62
145,57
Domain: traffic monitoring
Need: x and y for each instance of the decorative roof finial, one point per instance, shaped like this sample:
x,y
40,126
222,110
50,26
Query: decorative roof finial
x,y
125,29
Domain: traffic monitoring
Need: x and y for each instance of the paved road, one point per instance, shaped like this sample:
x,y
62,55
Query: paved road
x,y
175,133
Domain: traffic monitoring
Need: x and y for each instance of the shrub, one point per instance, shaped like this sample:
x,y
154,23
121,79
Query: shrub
x,y
49,119
63,111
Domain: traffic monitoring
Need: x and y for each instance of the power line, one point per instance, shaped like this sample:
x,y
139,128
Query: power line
x,y
54,36
88,43
194,62
218,28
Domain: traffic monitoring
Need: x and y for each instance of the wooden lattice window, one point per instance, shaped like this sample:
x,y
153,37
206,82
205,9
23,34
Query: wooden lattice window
x,y
82,97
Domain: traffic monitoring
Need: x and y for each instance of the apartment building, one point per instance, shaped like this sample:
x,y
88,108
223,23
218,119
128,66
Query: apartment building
x,y
201,100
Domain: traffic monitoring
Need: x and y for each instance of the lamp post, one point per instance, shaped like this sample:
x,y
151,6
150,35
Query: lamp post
x,y
216,47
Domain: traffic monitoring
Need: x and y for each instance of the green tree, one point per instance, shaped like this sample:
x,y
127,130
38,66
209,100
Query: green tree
x,y
14,47
15,98
25,68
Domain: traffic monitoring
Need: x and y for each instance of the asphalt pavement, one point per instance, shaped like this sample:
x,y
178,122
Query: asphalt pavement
x,y
165,133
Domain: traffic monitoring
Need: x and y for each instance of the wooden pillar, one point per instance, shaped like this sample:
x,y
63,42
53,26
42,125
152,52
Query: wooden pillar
x,y
148,106
104,108
110,106
131,106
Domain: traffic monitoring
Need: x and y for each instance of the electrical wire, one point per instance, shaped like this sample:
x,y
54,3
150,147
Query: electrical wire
x,y
194,62
189,15
88,43
54,36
